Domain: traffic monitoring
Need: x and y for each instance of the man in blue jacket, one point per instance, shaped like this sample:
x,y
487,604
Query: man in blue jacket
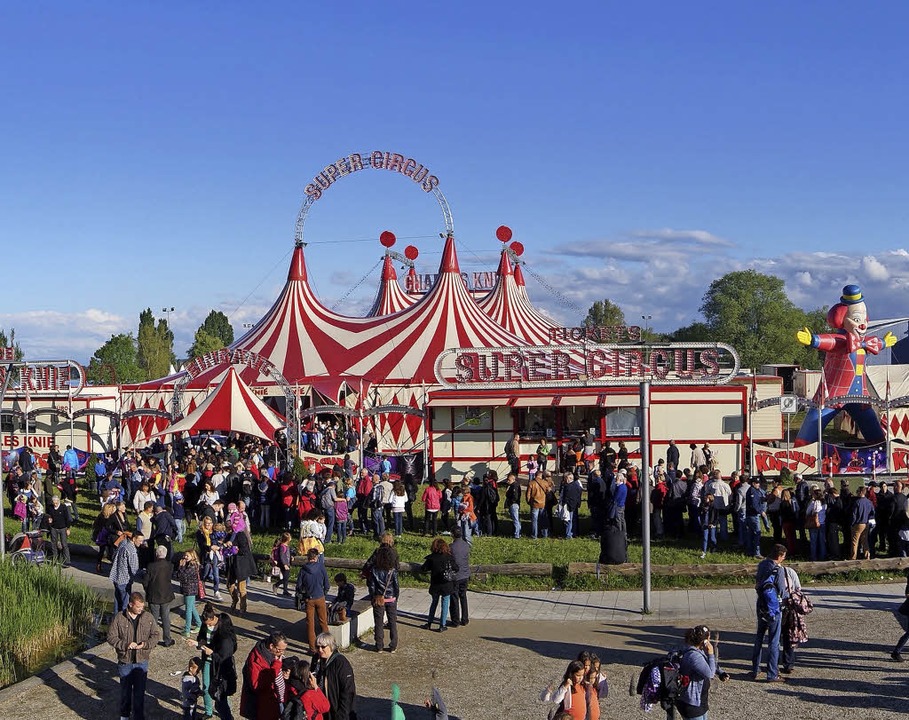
x,y
862,512
755,508
769,578
313,584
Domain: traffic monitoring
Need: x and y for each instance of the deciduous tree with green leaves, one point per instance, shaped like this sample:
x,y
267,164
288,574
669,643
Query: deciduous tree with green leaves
x,y
217,325
204,342
155,346
604,312
751,312
10,341
116,361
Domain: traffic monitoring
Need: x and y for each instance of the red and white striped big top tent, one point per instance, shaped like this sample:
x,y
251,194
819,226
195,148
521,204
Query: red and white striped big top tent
x,y
391,355
390,298
231,406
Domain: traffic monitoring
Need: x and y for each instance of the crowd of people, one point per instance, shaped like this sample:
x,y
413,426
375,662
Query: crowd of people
x,y
150,501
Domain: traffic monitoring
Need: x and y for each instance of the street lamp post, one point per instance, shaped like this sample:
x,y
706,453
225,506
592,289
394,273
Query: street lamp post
x,y
167,311
646,319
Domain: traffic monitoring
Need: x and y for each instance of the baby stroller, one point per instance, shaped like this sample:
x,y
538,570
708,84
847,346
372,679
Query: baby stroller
x,y
28,547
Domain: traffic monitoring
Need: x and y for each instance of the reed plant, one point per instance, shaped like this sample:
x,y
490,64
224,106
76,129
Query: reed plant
x,y
43,614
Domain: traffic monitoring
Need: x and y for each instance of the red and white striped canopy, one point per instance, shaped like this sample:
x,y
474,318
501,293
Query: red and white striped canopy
x,y
233,407
510,307
309,343
391,298
405,346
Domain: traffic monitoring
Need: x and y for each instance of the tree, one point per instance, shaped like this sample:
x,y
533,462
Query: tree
x,y
155,346
116,361
696,332
751,312
10,341
204,342
217,325
604,312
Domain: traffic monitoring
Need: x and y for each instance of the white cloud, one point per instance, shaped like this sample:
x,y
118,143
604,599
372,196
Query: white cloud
x,y
874,268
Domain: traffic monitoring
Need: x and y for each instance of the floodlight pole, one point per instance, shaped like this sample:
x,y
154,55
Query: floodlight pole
x,y
9,372
644,489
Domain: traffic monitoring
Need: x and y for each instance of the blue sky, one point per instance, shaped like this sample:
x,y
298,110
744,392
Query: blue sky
x,y
155,154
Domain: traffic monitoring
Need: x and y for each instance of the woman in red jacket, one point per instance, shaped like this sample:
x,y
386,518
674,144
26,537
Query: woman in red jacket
x,y
302,697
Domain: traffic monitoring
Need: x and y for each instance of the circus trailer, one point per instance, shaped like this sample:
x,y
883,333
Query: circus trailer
x,y
470,421
48,402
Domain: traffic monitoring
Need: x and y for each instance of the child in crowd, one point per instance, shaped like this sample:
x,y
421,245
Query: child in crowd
x,y
190,688
188,577
532,467
342,514
343,602
218,538
179,513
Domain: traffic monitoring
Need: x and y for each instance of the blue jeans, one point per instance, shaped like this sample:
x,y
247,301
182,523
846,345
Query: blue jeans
x,y
329,524
466,528
121,596
753,535
571,524
192,615
132,689
378,521
399,523
210,572
772,629
743,529
181,529
443,620
341,530
818,540
514,510
722,527
535,529
709,539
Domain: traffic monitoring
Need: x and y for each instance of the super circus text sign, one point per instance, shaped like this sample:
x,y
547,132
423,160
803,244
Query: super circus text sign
x,y
587,365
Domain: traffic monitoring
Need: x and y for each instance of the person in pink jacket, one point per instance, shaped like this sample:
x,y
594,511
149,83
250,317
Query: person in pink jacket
x,y
432,499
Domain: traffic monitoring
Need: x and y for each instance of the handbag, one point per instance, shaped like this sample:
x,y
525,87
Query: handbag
x,y
812,521
201,590
797,602
449,574
378,600
275,571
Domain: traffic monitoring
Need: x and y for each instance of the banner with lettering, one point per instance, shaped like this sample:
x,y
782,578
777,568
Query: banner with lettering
x,y
838,459
769,461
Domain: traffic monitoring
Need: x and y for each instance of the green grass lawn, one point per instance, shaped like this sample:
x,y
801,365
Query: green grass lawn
x,y
413,547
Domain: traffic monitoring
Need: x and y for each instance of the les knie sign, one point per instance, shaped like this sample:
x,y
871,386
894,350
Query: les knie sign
x,y
587,365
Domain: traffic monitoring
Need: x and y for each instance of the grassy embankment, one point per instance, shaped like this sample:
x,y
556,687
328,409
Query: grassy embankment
x,y
43,617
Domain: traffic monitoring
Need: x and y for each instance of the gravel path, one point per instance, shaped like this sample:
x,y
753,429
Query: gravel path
x,y
496,668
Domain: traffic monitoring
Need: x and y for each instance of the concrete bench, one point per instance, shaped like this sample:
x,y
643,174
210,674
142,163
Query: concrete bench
x,y
359,622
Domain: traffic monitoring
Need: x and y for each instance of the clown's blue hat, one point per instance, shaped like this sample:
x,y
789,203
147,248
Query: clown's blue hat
x,y
852,294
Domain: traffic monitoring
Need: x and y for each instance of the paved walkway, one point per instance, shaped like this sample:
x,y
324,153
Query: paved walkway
x,y
611,606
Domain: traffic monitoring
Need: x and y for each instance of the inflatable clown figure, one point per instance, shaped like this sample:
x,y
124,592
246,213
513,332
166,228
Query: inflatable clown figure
x,y
844,367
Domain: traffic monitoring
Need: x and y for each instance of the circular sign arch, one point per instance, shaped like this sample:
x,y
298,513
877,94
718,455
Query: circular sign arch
x,y
418,173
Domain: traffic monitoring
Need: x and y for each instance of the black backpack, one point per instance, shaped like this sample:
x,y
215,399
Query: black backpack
x,y
661,681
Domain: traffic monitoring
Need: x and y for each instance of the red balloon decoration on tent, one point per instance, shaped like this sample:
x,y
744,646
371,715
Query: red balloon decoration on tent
x,y
517,248
503,233
387,238
411,252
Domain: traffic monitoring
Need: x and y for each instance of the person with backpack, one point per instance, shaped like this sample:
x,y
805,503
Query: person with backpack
x,y
698,665
770,585
363,491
